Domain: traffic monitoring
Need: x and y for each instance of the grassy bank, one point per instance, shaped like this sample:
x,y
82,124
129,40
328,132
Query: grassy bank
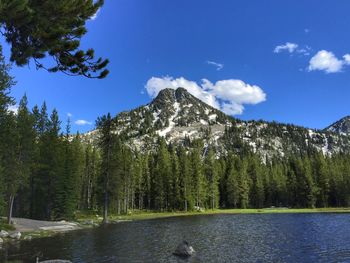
x,y
5,226
88,220
144,215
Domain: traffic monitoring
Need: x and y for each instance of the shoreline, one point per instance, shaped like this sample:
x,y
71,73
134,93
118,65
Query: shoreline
x,y
88,221
155,215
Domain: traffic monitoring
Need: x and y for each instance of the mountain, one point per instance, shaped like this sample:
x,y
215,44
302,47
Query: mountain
x,y
181,119
342,126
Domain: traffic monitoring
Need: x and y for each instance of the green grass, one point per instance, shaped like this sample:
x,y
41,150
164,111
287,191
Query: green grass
x,y
144,215
5,226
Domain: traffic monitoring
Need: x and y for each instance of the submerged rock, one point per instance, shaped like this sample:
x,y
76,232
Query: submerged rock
x,y
3,233
184,250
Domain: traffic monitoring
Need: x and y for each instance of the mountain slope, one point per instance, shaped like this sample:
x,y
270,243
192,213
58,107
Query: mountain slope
x,y
342,126
180,118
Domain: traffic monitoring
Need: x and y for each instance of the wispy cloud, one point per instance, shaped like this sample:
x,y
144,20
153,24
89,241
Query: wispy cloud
x,y
292,48
83,122
229,95
304,51
219,66
69,115
289,47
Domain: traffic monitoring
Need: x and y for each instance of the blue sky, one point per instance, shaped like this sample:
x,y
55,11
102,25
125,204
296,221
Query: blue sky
x,y
305,81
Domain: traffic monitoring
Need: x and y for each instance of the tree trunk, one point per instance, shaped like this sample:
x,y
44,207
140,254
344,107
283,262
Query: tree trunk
x,y
105,207
10,208
185,194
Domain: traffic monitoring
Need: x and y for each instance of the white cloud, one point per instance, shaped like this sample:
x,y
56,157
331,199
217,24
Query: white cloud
x,y
290,47
346,58
13,109
230,95
218,66
69,115
83,122
326,61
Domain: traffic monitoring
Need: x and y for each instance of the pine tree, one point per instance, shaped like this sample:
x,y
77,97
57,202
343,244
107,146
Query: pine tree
x,y
244,184
255,172
11,176
185,181
20,141
232,182
147,180
175,198
53,163
68,182
88,181
212,177
25,151
38,177
35,29
6,83
199,181
322,177
105,128
161,177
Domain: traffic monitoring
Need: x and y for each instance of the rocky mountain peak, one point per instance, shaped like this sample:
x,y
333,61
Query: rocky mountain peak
x,y
169,96
342,126
165,96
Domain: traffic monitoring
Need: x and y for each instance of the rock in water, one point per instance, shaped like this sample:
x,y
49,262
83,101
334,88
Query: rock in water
x,y
3,233
184,250
16,235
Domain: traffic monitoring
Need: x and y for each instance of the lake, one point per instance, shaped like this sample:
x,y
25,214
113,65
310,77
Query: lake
x,y
216,238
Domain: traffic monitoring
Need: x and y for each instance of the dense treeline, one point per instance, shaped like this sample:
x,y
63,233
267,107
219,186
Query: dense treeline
x,y
47,173
52,175
175,178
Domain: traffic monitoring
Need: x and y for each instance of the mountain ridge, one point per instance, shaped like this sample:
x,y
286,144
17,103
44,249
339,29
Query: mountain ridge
x,y
179,117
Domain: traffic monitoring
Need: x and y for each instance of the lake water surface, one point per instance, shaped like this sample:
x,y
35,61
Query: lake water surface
x,y
216,238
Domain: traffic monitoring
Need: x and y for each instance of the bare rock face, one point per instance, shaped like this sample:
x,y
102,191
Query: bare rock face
x,y
184,250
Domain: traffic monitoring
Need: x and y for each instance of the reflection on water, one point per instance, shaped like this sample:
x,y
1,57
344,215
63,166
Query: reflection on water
x,y
217,238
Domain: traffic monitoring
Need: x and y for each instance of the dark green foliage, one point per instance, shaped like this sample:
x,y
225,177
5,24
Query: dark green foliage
x,y
106,143
6,82
36,28
49,175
